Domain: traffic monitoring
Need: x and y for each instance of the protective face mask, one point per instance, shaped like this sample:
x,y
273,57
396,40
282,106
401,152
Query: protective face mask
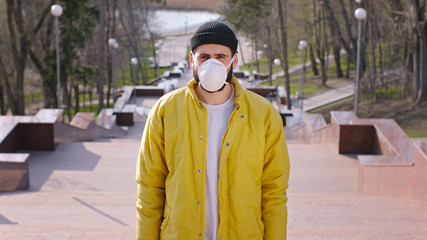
x,y
212,74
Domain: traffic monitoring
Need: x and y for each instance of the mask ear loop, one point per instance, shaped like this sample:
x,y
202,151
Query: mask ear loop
x,y
194,61
231,62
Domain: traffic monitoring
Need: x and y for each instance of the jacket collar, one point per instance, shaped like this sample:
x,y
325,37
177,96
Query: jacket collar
x,y
238,90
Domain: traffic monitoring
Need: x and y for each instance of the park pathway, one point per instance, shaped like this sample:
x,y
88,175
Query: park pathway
x,y
86,190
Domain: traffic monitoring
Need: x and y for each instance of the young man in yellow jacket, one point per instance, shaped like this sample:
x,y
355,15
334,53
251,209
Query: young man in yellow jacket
x,y
213,162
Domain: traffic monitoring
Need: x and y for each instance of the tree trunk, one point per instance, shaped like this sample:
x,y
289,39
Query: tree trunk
x,y
381,62
76,98
423,80
421,29
20,45
49,86
90,99
269,52
282,24
372,51
325,49
313,61
347,72
337,58
101,57
3,83
67,96
319,44
337,31
131,36
416,66
111,32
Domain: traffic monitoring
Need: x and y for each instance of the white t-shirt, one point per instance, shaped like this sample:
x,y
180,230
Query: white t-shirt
x,y
218,116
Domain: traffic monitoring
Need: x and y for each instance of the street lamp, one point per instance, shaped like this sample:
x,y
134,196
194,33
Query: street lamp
x,y
360,14
56,11
302,45
134,61
259,54
277,62
113,44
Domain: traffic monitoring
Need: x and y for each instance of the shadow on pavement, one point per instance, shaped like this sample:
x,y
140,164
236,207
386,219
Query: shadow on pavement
x,y
43,164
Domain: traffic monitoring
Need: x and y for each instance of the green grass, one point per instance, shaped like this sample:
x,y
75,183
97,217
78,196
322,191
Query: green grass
x,y
89,108
416,134
392,91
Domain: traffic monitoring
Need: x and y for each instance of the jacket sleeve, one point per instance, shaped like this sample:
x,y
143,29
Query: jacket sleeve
x,y
275,181
151,172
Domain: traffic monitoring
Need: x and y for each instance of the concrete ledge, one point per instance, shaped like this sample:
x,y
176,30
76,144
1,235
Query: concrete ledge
x,y
419,191
123,110
106,119
125,115
83,119
264,91
356,139
391,164
14,173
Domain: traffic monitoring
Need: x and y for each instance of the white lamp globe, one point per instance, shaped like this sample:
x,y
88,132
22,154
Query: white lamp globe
x,y
303,43
112,42
56,10
277,62
134,60
360,13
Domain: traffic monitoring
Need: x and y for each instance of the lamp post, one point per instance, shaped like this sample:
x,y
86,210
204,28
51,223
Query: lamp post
x,y
360,14
277,62
302,45
113,44
259,54
134,61
56,11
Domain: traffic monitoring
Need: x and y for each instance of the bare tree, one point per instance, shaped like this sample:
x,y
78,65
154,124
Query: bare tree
x,y
420,11
283,35
21,33
101,59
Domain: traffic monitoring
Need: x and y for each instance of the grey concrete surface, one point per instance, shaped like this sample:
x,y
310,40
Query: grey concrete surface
x,y
86,190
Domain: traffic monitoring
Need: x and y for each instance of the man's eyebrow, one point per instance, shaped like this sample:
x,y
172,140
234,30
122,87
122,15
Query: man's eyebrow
x,y
216,54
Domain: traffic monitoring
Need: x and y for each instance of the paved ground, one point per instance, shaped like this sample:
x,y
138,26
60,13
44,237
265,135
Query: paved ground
x,y
86,190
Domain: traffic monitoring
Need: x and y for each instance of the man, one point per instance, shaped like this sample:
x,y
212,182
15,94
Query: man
x,y
213,162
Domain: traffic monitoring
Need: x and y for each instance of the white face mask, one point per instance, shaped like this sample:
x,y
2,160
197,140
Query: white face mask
x,y
212,74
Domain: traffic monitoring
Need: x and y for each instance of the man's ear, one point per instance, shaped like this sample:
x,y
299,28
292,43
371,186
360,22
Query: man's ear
x,y
236,60
191,58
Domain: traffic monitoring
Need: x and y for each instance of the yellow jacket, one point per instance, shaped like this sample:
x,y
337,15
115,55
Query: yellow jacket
x,y
253,170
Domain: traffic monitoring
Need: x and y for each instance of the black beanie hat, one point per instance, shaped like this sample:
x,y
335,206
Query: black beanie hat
x,y
214,32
